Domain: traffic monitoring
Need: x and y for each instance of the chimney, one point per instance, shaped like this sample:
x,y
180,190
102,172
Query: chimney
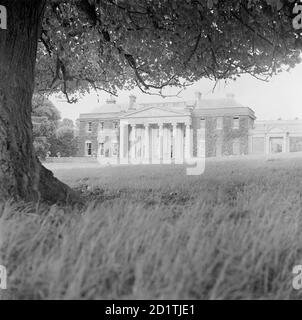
x,y
132,102
198,96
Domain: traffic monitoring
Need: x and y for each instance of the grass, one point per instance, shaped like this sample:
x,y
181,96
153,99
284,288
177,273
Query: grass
x,y
155,233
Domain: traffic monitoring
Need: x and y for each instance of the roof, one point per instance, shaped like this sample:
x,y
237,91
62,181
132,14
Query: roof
x,y
109,108
179,105
222,105
105,111
219,103
100,116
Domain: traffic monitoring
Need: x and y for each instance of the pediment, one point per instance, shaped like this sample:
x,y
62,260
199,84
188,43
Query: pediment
x,y
154,112
276,129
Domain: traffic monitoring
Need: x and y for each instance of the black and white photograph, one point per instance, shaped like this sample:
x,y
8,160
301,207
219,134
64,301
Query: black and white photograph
x,y
150,151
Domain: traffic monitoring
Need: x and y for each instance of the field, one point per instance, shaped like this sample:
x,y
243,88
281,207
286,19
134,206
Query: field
x,y
151,232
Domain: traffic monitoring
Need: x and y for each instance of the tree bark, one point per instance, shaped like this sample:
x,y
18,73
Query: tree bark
x,y
21,174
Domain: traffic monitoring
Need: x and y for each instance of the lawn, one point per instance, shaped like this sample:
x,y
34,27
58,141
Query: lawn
x,y
152,232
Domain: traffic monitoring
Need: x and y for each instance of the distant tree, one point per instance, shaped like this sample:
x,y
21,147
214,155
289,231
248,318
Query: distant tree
x,y
43,107
64,141
67,123
77,128
81,45
45,119
42,147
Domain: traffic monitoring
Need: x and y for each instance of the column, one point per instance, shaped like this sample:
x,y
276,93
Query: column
x,y
284,147
133,136
250,144
174,142
266,140
181,144
122,141
202,142
161,142
187,141
192,142
147,144
267,144
167,145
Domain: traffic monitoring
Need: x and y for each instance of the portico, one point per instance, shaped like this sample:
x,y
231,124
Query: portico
x,y
155,136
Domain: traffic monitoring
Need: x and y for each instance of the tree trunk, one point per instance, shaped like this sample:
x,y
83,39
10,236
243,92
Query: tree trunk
x,y
21,174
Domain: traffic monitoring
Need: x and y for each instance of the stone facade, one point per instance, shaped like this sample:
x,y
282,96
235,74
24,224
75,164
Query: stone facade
x,y
276,136
220,142
227,126
295,144
177,132
85,135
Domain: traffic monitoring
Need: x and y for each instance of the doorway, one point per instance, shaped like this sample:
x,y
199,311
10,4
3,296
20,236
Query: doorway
x,y
276,145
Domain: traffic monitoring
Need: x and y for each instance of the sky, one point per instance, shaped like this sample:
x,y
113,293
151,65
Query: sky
x,y
281,97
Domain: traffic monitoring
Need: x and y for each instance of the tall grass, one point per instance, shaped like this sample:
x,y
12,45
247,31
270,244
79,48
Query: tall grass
x,y
233,233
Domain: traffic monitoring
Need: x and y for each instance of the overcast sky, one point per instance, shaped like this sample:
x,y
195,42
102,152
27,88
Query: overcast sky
x,y
281,97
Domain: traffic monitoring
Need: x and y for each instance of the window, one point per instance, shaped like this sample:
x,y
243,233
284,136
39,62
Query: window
x,y
219,123
236,147
114,149
276,144
295,144
218,148
236,123
89,127
101,148
88,148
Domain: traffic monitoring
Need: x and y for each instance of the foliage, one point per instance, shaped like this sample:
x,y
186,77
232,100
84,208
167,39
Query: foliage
x,y
64,140
155,233
41,146
66,123
45,119
42,107
109,45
